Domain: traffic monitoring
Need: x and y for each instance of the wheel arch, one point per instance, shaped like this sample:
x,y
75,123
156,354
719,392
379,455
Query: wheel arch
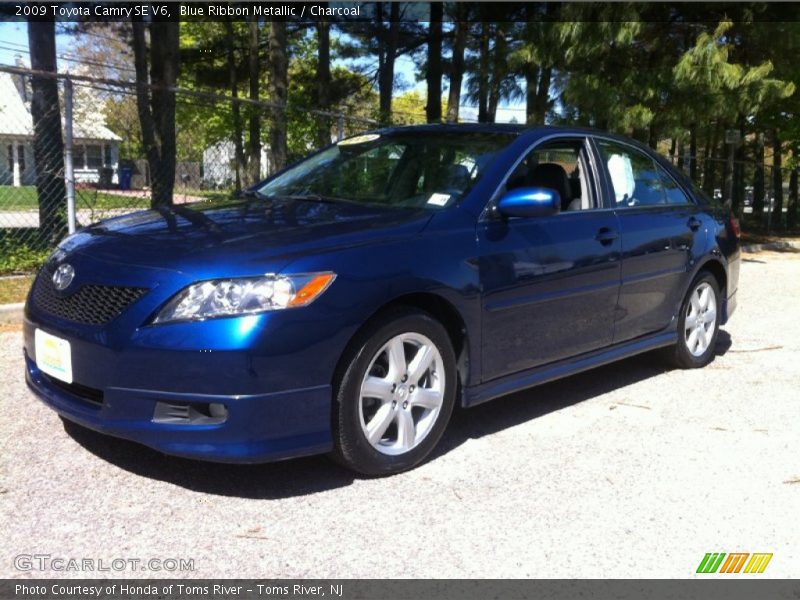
x,y
717,269
437,307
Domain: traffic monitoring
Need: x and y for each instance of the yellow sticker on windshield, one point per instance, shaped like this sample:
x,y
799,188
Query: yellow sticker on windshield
x,y
359,139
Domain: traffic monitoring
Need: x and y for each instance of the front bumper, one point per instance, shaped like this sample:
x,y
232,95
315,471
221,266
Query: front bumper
x,y
258,428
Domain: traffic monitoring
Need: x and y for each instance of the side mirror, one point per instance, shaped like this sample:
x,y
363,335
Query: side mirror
x,y
530,202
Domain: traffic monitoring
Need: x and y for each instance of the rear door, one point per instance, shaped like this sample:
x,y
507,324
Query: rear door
x,y
661,230
549,285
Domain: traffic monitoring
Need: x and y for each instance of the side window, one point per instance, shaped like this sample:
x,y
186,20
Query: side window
x,y
562,166
674,193
635,177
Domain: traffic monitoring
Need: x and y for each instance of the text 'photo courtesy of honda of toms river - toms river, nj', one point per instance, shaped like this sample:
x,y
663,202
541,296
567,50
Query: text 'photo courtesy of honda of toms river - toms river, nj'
x,y
347,303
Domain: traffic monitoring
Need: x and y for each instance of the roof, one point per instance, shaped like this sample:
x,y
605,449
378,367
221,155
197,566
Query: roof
x,y
513,128
16,120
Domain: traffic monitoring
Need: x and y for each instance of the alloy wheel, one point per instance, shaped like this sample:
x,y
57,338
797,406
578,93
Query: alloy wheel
x,y
402,393
701,319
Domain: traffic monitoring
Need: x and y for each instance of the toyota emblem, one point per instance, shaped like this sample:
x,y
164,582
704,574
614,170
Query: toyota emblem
x,y
63,276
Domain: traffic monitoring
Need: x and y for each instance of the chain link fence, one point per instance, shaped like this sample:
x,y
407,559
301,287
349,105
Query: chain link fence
x,y
88,159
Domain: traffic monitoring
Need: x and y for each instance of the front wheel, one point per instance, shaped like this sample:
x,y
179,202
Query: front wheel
x,y
698,325
396,395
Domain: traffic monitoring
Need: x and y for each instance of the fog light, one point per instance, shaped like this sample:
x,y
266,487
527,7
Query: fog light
x,y
190,413
220,411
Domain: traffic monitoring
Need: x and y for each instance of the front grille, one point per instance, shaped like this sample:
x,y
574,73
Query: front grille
x,y
90,304
76,389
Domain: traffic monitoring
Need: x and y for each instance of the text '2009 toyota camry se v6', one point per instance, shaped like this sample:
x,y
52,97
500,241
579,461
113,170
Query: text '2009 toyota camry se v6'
x,y
347,303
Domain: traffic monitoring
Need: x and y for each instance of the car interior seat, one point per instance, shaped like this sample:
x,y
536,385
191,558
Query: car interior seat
x,y
553,176
455,177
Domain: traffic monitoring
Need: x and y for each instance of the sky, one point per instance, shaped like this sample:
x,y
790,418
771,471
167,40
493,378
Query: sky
x,y
14,41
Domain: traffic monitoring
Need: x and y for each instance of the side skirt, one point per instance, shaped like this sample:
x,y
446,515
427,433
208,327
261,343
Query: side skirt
x,y
490,390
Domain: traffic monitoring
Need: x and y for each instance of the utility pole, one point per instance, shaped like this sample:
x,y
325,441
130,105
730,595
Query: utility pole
x,y
69,173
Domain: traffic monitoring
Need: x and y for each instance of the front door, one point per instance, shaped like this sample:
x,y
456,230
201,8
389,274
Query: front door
x,y
549,285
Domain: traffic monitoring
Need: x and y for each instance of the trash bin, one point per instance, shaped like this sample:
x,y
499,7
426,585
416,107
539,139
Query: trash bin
x,y
125,176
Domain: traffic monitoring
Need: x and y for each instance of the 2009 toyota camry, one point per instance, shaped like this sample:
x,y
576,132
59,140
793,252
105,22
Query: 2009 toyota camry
x,y
346,304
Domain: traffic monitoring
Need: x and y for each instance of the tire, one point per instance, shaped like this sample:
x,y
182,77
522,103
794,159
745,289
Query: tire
x,y
695,345
398,385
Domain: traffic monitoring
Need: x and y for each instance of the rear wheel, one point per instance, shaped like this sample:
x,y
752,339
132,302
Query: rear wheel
x,y
396,395
698,325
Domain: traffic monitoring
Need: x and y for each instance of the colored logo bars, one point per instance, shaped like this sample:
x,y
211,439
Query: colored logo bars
x,y
713,562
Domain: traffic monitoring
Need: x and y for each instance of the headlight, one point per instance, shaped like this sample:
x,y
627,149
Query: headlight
x,y
244,296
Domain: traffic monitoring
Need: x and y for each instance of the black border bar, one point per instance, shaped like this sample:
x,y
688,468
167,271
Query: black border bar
x,y
705,588
416,11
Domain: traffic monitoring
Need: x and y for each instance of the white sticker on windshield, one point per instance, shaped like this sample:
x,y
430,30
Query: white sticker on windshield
x,y
439,199
360,139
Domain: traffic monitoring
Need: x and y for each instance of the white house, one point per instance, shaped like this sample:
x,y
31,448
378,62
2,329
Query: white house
x,y
94,145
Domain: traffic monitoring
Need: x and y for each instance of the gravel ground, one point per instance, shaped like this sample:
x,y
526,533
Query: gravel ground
x,y
626,471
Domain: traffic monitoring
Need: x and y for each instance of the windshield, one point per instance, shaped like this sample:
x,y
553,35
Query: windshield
x,y
421,169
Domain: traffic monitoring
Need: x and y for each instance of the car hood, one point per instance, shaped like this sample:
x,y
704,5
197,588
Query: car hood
x,y
240,236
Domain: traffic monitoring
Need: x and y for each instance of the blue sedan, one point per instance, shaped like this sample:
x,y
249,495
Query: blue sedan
x,y
346,304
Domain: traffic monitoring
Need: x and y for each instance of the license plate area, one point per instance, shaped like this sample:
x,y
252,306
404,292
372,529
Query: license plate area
x,y
53,355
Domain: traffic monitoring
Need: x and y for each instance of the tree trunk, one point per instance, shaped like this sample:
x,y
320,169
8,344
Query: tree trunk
x,y
498,70
792,213
531,94
693,151
278,87
156,103
386,74
323,80
457,64
720,161
709,164
758,176
738,170
543,95
48,145
777,181
483,74
433,108
254,137
652,136
233,82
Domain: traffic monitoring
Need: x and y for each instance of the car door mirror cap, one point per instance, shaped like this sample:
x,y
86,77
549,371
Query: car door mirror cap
x,y
529,202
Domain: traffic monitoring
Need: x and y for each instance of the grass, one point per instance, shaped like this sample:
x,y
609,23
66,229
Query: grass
x,y
14,289
25,198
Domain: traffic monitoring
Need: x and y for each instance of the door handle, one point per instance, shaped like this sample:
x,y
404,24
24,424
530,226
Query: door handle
x,y
606,236
694,223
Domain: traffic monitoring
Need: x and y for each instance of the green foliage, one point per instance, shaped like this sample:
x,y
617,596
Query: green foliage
x,y
350,93
18,256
